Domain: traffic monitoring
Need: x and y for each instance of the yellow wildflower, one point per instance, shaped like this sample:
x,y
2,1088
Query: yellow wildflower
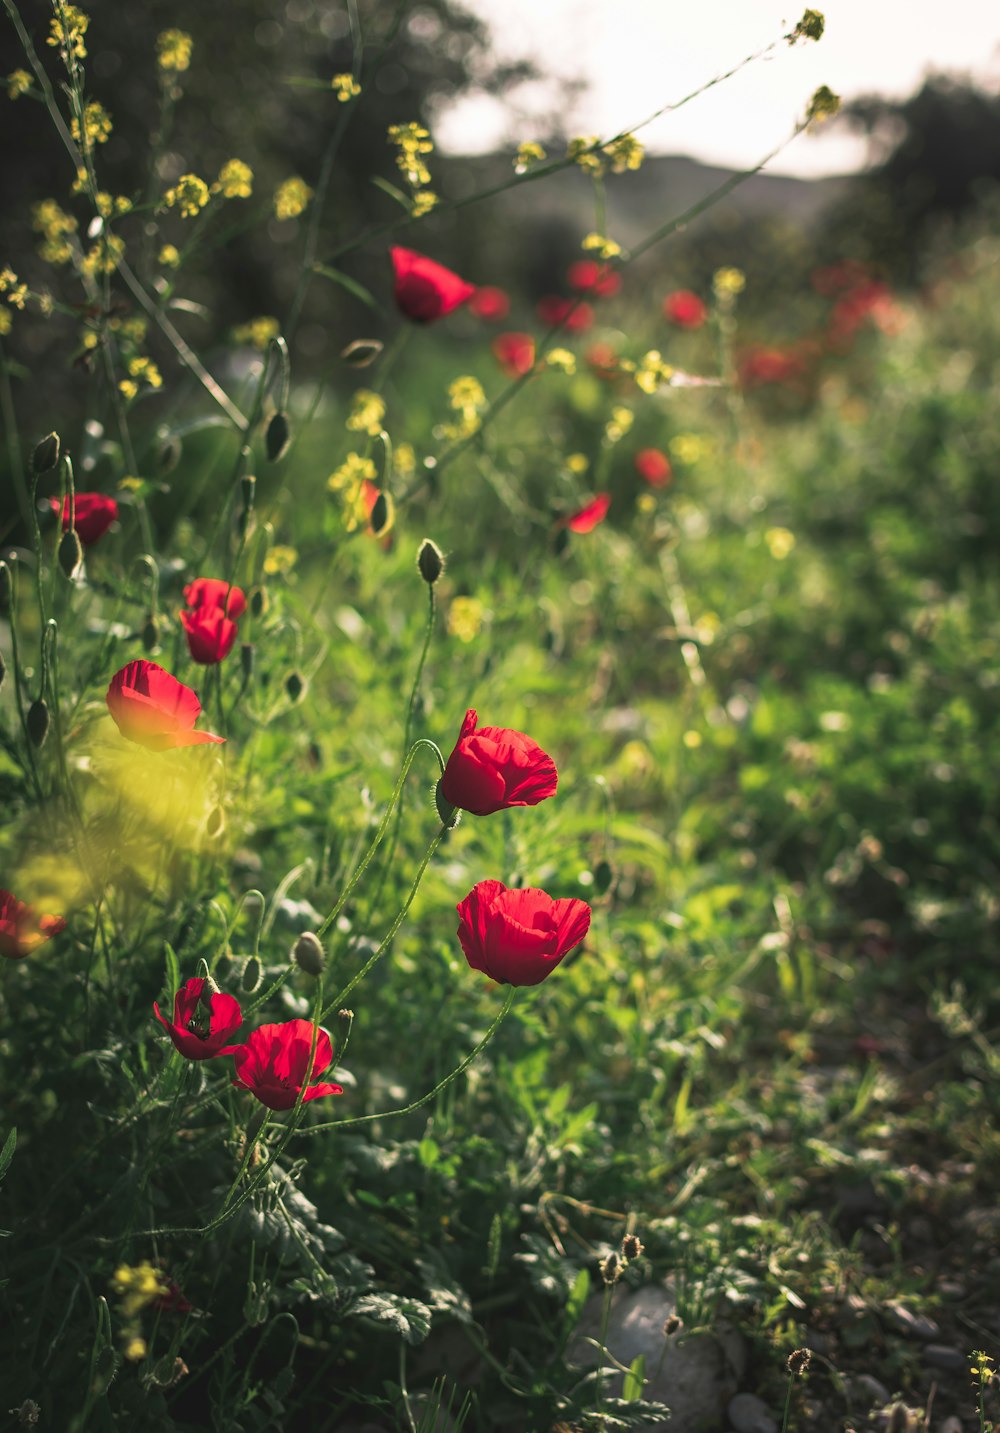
x,y
49,220
466,392
235,180
727,283
423,202
169,256
173,50
291,198
134,329
190,195
528,153
96,126
780,542
346,86
582,151
109,206
351,473
8,279
619,423
67,33
651,371
412,141
646,503
128,389
465,618
135,1349
406,460
6,322
601,244
257,332
146,371
562,359
280,560
103,257
626,152
577,463
18,84
367,413
687,448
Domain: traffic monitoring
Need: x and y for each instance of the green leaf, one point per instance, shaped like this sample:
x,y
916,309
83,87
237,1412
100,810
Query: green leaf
x,y
172,976
634,1379
7,1153
577,1299
393,193
351,285
409,1318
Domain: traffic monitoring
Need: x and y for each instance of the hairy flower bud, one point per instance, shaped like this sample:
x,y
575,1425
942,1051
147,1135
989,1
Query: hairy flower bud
x,y
430,561
380,516
3,671
253,974
70,553
259,601
246,659
277,438
307,952
603,876
294,686
169,455
46,454
6,588
37,721
361,352
150,633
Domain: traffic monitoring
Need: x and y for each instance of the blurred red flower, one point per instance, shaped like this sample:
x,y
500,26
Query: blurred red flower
x,y
490,303
425,290
571,314
21,930
835,278
654,466
602,359
515,353
517,937
587,518
151,707
587,276
760,366
223,1019
93,514
214,592
685,309
494,767
273,1063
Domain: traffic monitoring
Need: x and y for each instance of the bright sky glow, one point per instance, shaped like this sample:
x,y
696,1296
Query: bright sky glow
x,y
637,55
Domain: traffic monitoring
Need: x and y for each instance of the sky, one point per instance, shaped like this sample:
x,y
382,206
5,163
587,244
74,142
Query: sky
x,y
638,55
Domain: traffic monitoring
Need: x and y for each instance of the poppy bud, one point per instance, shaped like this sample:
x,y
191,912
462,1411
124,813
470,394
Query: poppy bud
x,y
307,952
448,815
38,721
151,634
277,438
216,821
169,455
3,671
105,1368
430,561
209,989
361,352
246,659
70,552
6,588
379,517
46,454
294,686
259,601
560,542
603,876
253,973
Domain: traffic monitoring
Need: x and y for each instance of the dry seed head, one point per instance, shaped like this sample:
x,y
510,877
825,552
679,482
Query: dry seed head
x,y
611,1269
671,1325
799,1360
631,1247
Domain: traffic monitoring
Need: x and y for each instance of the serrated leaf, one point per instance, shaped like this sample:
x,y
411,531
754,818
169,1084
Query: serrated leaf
x,y
409,1318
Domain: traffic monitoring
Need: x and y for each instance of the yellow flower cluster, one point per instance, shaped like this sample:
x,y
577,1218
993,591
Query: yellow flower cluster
x,y
822,106
405,460
138,1285
582,151
688,448
257,332
190,195
619,423
727,283
577,463
346,86
412,141
780,542
625,152
15,292
465,618
291,198
141,370
54,225
18,84
562,359
367,413
351,474
96,126
423,202
173,50
528,153
600,244
104,256
467,398
67,33
651,371
6,322
169,256
280,560
109,206
235,180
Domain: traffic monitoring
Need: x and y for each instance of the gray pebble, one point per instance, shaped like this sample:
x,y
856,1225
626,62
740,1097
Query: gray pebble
x,y
867,1390
911,1325
940,1355
750,1414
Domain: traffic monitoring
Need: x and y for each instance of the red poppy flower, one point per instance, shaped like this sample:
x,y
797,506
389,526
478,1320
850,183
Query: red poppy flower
x,y
272,1064
760,366
93,514
493,767
195,1043
490,303
685,309
426,290
21,930
588,517
654,466
515,353
518,937
210,635
153,708
215,593
587,276
571,314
